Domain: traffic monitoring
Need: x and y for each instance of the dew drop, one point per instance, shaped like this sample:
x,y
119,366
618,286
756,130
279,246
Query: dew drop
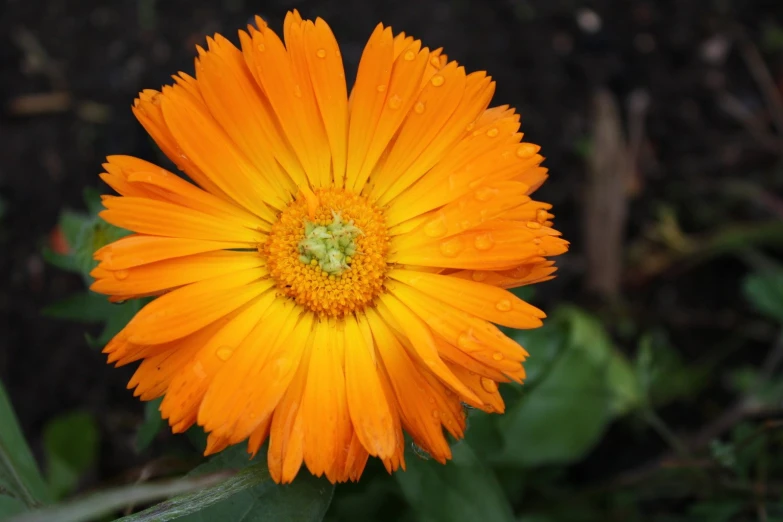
x,y
533,224
409,56
484,241
485,194
224,352
537,241
437,80
321,53
470,126
381,87
198,370
526,150
489,385
435,414
261,47
542,215
503,305
436,227
419,107
479,275
394,102
120,274
435,61
497,356
452,247
420,452
466,341
493,132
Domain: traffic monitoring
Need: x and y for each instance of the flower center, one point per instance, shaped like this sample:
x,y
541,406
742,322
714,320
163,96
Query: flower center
x,y
328,252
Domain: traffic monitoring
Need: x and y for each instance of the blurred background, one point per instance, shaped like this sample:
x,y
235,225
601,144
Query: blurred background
x,y
655,390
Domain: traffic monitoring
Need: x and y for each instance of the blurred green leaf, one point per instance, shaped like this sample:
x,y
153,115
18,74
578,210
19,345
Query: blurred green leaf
x,y
462,490
151,426
589,335
84,233
84,307
765,292
71,447
716,510
250,496
21,484
578,383
88,307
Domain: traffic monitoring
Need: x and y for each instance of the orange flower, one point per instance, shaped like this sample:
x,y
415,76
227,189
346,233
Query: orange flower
x,y
332,277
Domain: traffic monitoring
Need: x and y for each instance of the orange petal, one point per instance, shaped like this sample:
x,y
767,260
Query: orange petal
x,y
370,413
484,301
187,309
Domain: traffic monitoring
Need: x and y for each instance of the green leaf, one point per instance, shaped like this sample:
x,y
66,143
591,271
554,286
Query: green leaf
x,y
151,426
249,496
21,484
464,490
589,336
88,307
71,446
579,383
765,292
84,307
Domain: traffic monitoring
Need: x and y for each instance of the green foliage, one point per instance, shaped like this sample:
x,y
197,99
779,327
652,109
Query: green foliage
x,y
84,233
71,446
765,292
21,484
249,496
464,490
578,382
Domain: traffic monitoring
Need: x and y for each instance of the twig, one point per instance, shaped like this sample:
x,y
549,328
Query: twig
x,y
760,72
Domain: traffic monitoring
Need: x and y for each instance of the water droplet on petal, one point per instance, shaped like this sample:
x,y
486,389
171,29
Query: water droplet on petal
x,y
537,241
120,274
484,241
479,275
321,53
526,150
493,132
410,55
381,87
452,247
533,224
394,102
419,107
504,305
489,385
198,370
436,227
437,80
435,61
497,356
485,194
435,414
261,47
224,352
470,126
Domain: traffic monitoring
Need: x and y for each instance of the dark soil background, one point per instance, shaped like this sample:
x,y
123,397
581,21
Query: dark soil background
x,y
69,72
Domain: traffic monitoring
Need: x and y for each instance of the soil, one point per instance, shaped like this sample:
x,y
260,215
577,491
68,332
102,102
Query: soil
x,y
549,58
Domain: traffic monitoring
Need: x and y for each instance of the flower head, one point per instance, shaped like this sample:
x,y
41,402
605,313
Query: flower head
x,y
331,277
